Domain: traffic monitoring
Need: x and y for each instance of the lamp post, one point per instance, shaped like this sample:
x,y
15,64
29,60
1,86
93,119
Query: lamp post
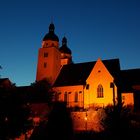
x,y
86,121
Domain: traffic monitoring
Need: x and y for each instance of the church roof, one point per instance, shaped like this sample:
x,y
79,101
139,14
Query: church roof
x,y
76,74
130,78
51,35
65,49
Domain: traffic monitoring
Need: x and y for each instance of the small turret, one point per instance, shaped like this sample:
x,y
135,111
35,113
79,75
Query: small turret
x,y
50,39
66,57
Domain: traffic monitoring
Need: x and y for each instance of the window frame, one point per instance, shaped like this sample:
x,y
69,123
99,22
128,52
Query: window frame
x,y
45,54
100,91
45,64
76,97
65,97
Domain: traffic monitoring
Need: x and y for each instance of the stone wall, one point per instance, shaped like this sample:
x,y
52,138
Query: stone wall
x,y
90,120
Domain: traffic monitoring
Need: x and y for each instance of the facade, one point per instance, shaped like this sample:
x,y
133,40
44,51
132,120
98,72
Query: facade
x,y
84,85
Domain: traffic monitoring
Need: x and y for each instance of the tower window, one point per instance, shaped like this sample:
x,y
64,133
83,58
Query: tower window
x,y
100,91
45,54
45,65
76,97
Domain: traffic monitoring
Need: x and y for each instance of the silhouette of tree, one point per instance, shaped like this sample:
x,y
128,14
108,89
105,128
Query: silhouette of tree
x,y
117,122
42,92
58,126
14,115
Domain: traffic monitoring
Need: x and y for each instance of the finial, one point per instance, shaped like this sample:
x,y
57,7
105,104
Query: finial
x,y
51,27
64,41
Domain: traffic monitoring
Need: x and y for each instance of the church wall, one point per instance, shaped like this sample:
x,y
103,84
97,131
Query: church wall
x,y
70,92
127,99
90,120
64,61
50,43
99,76
49,65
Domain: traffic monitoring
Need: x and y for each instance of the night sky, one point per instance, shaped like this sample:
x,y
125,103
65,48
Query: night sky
x,y
95,29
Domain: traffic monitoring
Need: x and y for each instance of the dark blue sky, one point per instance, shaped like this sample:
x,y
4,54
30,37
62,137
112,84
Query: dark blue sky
x,y
94,28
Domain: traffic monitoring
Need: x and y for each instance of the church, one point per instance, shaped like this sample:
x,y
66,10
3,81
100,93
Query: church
x,y
84,85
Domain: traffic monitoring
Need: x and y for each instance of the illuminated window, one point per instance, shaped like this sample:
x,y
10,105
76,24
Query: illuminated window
x,y
100,91
45,65
45,54
76,97
87,86
65,97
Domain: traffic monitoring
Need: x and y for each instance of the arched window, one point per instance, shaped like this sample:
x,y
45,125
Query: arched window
x,y
57,96
76,97
65,97
100,91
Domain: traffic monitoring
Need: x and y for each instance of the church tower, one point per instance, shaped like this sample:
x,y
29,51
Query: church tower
x,y
49,63
66,57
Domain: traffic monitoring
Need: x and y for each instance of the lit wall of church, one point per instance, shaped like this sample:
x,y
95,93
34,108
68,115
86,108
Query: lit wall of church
x,y
73,95
128,99
99,92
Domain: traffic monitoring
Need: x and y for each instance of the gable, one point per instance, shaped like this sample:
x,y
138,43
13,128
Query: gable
x,y
99,73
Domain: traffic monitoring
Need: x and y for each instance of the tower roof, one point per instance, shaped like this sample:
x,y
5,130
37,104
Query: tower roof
x,y
51,35
64,48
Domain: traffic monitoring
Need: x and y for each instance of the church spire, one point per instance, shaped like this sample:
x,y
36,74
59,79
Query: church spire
x,y
64,48
51,28
64,41
51,34
66,54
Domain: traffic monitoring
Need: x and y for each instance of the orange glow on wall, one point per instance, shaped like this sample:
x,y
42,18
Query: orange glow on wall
x,y
99,76
71,91
89,120
65,59
50,43
88,97
128,99
48,65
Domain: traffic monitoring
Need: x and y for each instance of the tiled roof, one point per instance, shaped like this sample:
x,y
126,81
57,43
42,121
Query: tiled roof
x,y
76,74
